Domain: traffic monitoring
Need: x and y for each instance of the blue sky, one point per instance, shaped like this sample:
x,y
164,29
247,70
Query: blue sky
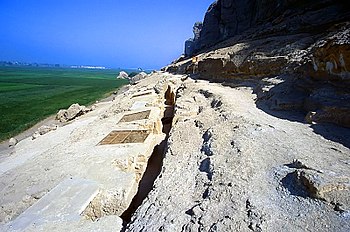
x,y
113,33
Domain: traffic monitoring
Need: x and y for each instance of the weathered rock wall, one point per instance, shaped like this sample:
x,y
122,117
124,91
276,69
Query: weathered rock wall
x,y
228,18
304,44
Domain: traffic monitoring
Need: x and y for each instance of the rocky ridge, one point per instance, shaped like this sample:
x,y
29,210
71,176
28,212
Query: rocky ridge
x,y
230,166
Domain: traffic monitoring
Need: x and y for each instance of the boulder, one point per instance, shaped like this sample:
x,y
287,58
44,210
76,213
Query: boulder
x,y
43,130
123,75
13,142
35,135
71,113
335,115
138,77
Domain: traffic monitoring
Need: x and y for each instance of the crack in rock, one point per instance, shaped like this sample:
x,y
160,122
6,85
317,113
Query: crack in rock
x,y
255,219
207,167
207,140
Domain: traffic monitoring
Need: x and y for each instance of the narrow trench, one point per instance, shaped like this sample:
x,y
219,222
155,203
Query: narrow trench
x,y
155,162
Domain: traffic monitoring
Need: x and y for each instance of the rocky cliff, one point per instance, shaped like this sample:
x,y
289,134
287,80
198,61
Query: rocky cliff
x,y
228,18
302,45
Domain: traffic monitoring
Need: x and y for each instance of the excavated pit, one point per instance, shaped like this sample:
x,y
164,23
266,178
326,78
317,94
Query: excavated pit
x,y
125,136
155,162
104,205
142,94
135,116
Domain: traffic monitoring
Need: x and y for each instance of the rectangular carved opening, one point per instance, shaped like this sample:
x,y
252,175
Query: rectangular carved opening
x,y
141,94
135,116
125,136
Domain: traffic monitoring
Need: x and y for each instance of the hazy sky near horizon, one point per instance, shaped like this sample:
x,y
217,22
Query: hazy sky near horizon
x,y
113,33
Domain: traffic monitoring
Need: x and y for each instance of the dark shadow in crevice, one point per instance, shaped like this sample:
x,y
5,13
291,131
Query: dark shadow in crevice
x,y
290,102
154,166
291,182
155,162
333,132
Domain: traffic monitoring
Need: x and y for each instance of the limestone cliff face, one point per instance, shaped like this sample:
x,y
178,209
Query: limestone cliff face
x,y
190,44
305,45
227,18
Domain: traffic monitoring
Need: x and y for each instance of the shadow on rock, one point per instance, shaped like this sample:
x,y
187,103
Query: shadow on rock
x,y
291,182
295,99
281,97
333,132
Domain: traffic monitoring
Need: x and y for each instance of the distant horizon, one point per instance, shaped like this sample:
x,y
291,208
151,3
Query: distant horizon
x,y
67,65
146,34
29,64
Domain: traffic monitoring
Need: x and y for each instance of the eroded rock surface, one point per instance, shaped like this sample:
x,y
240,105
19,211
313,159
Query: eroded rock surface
x,y
138,77
252,152
13,142
231,166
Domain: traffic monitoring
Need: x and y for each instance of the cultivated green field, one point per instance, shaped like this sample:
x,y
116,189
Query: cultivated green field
x,y
28,95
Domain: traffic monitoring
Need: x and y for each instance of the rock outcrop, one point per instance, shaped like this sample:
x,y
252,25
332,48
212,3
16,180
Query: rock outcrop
x,y
138,77
330,57
230,166
190,44
296,52
228,18
176,154
123,75
44,130
245,140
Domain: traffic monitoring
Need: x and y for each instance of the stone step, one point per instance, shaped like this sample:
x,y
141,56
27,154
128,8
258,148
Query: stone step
x,y
138,105
65,202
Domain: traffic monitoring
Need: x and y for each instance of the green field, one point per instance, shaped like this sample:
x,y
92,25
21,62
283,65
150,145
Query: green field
x,y
28,95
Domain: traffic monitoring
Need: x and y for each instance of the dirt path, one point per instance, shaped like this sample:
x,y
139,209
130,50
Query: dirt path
x,y
5,150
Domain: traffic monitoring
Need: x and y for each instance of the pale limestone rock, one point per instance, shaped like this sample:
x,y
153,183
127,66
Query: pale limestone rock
x,y
13,142
123,75
138,77
43,130
75,110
